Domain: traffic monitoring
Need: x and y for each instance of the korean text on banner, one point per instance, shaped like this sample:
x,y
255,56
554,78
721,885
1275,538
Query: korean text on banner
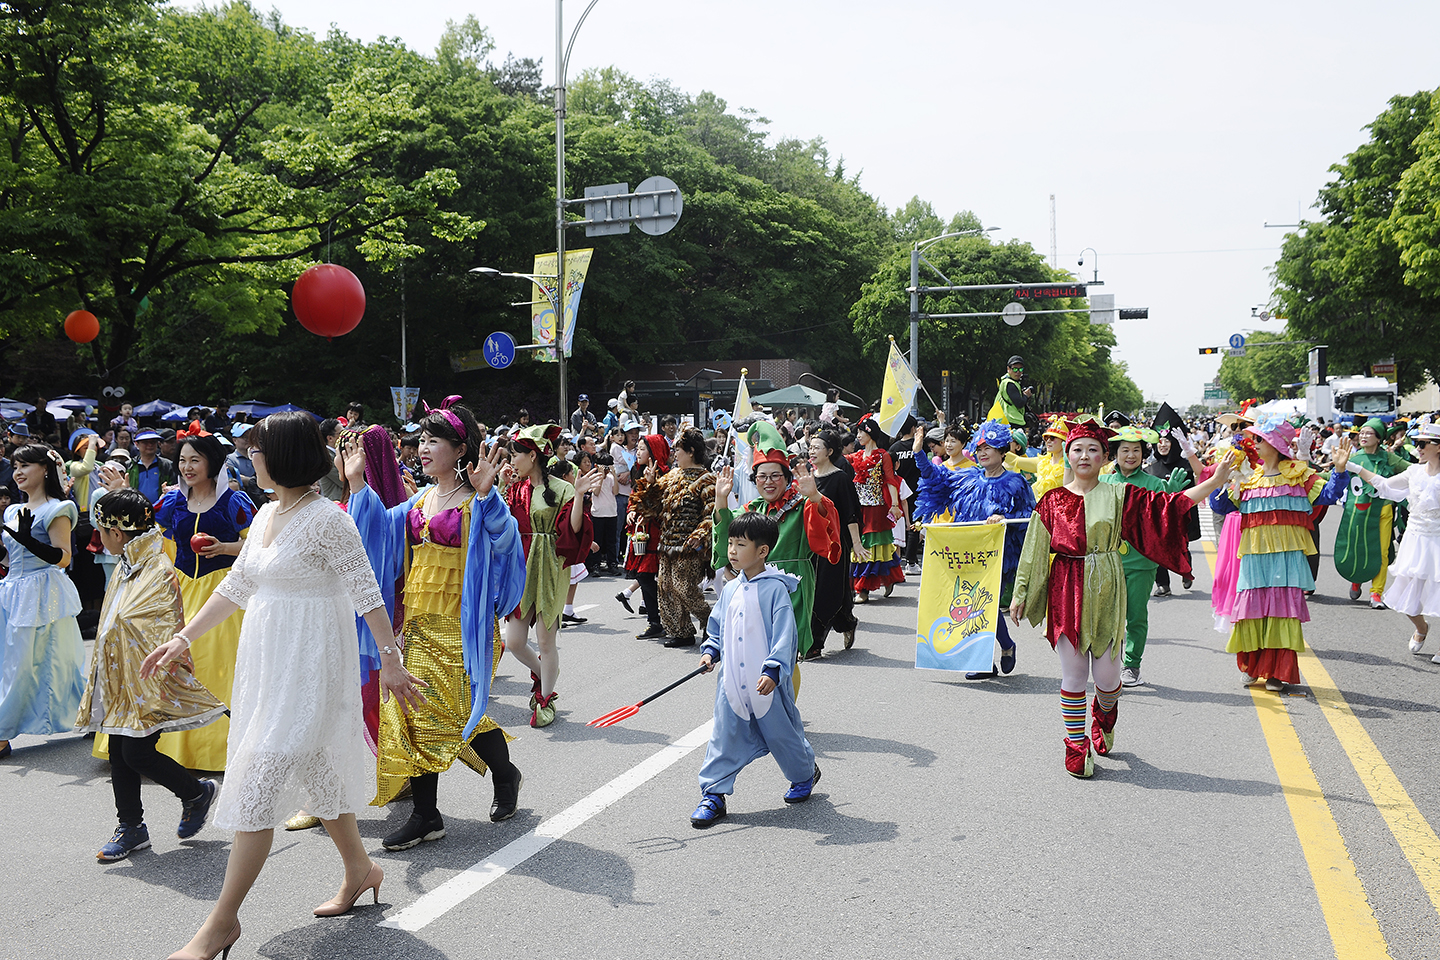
x,y
897,394
542,312
959,597
404,400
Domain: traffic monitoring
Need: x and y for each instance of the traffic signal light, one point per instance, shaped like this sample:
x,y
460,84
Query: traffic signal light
x,y
1205,350
1134,313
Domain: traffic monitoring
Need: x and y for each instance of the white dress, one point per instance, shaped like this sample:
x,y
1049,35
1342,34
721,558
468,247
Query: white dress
x,y
297,735
1414,586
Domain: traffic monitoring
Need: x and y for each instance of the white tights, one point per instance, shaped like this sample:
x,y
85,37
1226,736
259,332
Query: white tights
x,y
1077,668
547,665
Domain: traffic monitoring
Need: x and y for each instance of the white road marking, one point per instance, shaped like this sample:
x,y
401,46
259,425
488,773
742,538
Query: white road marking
x,y
588,606
473,879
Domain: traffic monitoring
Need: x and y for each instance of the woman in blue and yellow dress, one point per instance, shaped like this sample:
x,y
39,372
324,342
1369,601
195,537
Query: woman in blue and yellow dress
x,y
459,552
205,524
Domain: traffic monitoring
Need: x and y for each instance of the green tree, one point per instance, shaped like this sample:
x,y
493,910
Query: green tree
x,y
206,156
1264,370
1363,278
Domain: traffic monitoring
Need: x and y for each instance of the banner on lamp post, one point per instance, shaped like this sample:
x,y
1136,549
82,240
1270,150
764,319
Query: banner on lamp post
x,y
542,311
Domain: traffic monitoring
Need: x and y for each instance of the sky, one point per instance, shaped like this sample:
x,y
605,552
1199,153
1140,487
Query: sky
x,y
1169,134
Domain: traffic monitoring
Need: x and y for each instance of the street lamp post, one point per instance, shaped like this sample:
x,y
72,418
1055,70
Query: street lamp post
x,y
915,287
562,63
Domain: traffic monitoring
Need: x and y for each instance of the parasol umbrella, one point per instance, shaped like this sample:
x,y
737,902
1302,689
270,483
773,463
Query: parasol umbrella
x,y
156,408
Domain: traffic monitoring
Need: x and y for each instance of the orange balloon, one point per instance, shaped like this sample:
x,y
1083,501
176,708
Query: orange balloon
x,y
82,326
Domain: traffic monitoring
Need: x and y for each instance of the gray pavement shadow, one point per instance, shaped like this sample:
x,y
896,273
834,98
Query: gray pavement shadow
x,y
870,626
830,745
1151,777
1380,708
1148,690
571,728
1018,682
572,866
352,935
819,815
856,656
65,755
196,870
1406,661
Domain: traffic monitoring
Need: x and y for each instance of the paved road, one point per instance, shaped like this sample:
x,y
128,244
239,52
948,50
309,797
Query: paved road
x,y
945,825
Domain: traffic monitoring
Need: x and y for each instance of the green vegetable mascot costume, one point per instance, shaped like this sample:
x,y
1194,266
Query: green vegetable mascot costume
x,y
1362,543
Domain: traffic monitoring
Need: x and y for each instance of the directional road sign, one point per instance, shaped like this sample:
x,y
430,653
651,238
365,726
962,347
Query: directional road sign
x,y
499,350
1237,341
1234,351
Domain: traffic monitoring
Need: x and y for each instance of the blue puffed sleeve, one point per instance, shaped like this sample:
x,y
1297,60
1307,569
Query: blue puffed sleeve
x,y
165,512
240,510
493,584
1220,502
1334,490
382,531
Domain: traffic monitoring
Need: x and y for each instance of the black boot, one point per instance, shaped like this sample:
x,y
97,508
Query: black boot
x,y
507,795
416,830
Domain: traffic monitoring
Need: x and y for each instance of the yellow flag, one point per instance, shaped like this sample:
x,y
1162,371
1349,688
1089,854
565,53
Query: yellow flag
x,y
898,392
960,597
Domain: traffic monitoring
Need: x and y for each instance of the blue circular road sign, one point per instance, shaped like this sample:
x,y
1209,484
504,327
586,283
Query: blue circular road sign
x,y
499,350
1237,341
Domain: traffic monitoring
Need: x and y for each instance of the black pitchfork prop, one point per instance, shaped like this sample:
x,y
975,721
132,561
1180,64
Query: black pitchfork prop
x,y
625,713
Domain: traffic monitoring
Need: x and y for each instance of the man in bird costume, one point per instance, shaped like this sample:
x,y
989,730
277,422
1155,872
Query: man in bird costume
x,y
809,522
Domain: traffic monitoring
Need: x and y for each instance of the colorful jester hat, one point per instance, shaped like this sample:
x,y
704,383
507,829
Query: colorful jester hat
x,y
992,433
1088,427
768,445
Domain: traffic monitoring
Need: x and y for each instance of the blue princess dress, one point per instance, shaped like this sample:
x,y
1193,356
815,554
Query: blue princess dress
x,y
42,664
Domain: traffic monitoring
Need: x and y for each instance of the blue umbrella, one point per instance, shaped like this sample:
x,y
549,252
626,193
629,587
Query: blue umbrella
x,y
178,414
72,401
14,409
156,408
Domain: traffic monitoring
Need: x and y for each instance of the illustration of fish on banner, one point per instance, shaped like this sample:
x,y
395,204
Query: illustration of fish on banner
x,y
959,597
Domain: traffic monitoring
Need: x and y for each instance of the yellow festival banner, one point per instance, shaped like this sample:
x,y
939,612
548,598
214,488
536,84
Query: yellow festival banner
x,y
542,314
897,393
959,596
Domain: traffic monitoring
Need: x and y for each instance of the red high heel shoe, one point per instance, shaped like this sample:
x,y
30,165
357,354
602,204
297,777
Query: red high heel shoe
x,y
337,908
223,952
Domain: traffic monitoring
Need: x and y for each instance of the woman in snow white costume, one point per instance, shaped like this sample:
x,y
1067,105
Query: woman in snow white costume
x,y
1072,577
987,493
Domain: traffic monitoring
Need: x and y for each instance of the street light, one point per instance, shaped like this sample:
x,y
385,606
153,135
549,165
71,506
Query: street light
x,y
552,297
915,259
1095,261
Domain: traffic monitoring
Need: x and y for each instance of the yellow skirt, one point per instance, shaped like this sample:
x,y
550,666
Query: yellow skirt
x,y
214,656
428,740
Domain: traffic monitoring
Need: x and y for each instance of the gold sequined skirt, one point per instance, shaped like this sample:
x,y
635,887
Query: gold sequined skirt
x,y
428,740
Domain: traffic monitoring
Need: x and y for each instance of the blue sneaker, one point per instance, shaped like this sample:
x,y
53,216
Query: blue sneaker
x,y
711,809
196,812
126,841
800,792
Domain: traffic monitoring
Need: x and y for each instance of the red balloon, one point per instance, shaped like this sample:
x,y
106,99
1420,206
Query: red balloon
x,y
82,326
328,300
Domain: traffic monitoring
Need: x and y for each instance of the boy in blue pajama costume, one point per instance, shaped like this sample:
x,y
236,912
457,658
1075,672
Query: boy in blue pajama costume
x,y
752,634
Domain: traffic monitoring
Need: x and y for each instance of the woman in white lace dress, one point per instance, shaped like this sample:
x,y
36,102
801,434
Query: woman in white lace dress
x,y
296,730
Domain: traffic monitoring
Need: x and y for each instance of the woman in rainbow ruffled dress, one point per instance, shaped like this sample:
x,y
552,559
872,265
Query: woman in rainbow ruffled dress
x,y
1414,587
1275,504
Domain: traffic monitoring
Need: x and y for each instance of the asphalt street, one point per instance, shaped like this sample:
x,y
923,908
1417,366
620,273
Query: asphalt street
x,y
944,825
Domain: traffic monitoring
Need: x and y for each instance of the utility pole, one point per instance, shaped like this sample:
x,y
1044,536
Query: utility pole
x,y
560,204
1054,246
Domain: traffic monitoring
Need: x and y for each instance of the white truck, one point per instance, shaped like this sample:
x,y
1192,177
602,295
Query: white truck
x,y
1352,399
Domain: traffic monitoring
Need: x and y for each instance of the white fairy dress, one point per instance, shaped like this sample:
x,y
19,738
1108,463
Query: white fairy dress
x,y
297,735
1414,585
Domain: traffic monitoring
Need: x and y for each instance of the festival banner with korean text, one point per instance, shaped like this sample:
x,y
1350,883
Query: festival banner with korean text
x,y
959,596
542,313
404,399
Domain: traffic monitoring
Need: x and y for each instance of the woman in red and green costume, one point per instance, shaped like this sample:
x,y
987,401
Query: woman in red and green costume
x,y
879,490
1362,544
1072,576
809,522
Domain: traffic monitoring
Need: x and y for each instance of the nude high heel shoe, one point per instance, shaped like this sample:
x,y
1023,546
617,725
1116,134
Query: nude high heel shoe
x,y
223,952
336,908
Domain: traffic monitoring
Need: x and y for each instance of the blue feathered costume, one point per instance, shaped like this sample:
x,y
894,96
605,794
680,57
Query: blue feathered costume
x,y
969,496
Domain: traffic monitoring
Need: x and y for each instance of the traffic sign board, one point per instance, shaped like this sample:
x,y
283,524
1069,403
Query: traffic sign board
x,y
1013,313
499,350
1234,351
1237,341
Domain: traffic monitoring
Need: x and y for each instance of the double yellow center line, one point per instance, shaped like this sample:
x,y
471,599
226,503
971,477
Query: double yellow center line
x,y
1354,930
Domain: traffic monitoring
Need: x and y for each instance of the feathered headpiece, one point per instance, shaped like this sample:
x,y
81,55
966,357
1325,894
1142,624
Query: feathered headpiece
x,y
992,433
